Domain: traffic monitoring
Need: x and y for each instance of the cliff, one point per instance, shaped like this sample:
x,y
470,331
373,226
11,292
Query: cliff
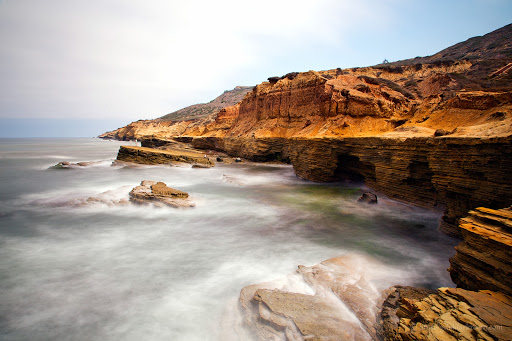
x,y
458,174
484,259
481,306
435,131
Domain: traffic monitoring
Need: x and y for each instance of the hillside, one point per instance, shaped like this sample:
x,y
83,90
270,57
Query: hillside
x,y
487,54
464,90
228,98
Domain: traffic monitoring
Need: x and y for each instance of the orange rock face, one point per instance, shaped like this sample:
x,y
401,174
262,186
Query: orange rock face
x,y
314,104
349,103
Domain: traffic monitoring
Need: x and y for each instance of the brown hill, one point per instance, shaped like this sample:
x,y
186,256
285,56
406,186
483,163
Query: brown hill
x,y
228,98
487,54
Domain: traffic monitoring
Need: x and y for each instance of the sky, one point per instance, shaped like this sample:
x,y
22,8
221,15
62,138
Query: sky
x,y
80,68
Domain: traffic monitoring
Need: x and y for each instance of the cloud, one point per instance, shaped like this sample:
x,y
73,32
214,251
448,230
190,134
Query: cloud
x,y
144,58
140,59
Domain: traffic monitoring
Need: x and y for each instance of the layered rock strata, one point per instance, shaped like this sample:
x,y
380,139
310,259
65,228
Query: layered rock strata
x,y
457,173
159,194
448,314
484,259
149,156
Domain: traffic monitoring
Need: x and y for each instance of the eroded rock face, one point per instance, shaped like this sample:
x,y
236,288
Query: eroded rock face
x,y
317,104
159,194
457,173
448,314
484,259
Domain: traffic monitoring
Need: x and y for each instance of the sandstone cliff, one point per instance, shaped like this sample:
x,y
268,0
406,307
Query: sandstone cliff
x,y
484,259
482,264
347,103
435,131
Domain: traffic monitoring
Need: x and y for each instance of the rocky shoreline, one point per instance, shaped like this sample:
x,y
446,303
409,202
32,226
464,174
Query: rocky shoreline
x,y
455,173
403,313
429,131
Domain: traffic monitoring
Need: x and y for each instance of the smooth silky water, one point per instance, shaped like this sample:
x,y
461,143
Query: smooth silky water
x,y
101,271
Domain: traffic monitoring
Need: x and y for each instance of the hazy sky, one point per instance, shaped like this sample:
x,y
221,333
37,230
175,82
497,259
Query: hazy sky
x,y
116,61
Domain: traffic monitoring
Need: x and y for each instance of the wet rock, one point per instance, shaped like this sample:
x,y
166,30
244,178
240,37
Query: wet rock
x,y
61,165
159,194
368,198
327,301
69,165
448,314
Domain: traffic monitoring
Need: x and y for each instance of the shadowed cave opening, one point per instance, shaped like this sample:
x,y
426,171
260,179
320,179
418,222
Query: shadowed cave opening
x,y
351,168
420,175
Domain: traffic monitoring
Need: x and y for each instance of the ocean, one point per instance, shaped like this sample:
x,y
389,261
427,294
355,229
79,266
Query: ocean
x,y
103,269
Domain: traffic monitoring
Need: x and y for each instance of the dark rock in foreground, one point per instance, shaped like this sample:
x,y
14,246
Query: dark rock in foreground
x,y
159,194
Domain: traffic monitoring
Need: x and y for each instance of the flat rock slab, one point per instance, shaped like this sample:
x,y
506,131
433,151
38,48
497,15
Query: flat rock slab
x,y
149,156
159,194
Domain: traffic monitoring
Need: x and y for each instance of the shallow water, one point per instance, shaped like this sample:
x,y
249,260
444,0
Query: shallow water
x,y
101,271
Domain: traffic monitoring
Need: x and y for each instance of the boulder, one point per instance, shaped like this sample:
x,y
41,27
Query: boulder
x,y
159,194
368,198
441,132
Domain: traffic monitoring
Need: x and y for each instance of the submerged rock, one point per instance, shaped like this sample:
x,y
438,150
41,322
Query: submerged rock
x,y
368,197
115,197
69,165
159,194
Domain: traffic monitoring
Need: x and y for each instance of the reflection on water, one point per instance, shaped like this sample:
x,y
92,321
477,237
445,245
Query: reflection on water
x,y
111,272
